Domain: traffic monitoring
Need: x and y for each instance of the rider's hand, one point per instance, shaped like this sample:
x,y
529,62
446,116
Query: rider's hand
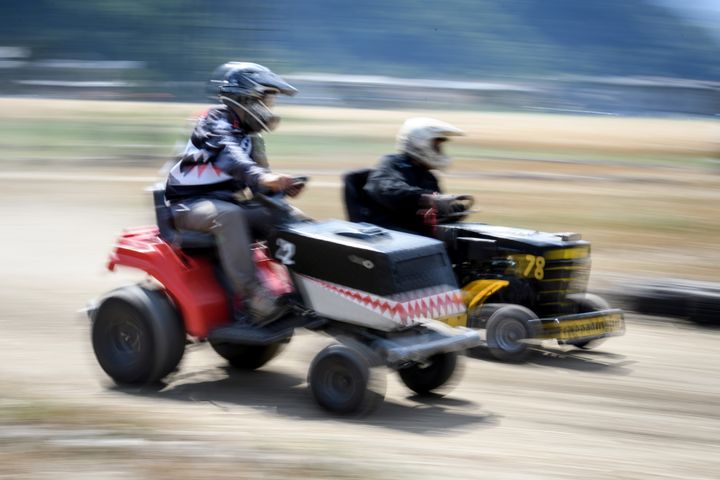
x,y
295,190
447,205
276,182
444,204
463,203
457,207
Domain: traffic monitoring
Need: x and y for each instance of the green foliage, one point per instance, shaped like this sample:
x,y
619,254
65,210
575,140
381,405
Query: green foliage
x,y
182,40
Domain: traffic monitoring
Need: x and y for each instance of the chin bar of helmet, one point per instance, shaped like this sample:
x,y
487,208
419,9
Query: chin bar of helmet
x,y
249,112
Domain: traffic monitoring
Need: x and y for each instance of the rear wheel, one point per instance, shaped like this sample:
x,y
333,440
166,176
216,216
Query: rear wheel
x,y
247,357
137,335
436,372
345,379
589,302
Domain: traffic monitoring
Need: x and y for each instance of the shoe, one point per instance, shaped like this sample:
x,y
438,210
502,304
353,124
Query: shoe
x,y
241,318
263,307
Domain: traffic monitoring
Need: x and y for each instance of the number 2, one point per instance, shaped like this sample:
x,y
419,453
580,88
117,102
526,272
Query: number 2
x,y
285,251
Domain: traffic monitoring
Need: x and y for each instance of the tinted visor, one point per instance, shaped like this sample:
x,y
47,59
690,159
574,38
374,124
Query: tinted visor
x,y
437,144
268,99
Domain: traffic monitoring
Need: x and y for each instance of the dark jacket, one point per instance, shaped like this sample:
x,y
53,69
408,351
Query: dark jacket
x,y
393,192
218,161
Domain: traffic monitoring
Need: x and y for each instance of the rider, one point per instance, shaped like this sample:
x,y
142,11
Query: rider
x,y
226,155
403,185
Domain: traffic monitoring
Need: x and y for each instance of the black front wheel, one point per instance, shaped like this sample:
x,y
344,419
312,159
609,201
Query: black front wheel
x,y
343,379
424,378
507,328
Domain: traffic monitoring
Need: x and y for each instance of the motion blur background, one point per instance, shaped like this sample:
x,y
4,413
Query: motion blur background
x,y
636,57
616,91
642,57
595,116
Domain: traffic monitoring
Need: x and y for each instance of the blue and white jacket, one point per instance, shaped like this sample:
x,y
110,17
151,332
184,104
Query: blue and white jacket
x,y
217,161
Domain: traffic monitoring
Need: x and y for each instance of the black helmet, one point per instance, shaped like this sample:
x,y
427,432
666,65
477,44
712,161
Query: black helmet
x,y
248,89
250,80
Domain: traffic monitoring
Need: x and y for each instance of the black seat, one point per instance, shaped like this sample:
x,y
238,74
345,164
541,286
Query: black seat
x,y
168,232
356,201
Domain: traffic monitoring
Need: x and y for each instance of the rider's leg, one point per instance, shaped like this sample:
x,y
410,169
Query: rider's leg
x,y
228,222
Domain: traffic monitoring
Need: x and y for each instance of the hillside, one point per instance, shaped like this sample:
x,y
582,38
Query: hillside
x,y
183,40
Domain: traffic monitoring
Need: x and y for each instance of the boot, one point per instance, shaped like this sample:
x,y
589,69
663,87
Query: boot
x,y
263,307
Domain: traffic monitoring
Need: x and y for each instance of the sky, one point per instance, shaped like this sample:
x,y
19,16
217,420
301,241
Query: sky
x,y
705,13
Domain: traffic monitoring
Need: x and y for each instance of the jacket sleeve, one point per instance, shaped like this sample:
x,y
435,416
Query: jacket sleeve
x,y
387,186
235,162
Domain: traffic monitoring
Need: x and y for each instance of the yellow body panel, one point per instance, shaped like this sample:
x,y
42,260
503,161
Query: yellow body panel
x,y
596,326
476,292
567,253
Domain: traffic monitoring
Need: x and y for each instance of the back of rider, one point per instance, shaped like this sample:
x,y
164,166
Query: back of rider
x,y
393,191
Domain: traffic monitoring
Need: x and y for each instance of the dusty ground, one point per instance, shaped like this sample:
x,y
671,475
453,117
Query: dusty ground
x,y
644,406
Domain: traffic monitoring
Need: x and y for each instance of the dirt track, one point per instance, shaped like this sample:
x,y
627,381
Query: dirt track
x,y
646,405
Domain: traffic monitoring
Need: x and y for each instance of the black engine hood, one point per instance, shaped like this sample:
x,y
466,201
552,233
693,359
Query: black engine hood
x,y
511,234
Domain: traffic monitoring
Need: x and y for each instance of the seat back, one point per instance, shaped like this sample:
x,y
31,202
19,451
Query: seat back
x,y
356,201
168,232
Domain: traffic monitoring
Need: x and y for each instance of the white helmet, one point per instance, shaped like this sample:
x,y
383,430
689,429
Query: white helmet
x,y
421,138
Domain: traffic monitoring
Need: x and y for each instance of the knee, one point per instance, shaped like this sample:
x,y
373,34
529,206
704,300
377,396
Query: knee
x,y
232,214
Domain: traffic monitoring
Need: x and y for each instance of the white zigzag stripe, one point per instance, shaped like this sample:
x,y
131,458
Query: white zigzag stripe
x,y
444,303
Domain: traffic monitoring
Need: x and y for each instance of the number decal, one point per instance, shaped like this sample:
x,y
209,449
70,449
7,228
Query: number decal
x,y
539,268
285,251
530,259
530,266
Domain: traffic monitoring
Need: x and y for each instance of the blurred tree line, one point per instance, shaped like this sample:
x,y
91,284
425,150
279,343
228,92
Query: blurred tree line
x,y
183,40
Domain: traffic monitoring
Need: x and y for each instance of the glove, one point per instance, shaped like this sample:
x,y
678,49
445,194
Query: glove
x,y
277,182
463,203
444,204
294,190
452,204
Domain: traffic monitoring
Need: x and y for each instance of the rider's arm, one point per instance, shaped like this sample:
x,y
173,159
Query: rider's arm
x,y
237,163
214,133
215,137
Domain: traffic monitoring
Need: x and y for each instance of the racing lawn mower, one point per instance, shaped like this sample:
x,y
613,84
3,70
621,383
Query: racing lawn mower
x,y
522,287
374,290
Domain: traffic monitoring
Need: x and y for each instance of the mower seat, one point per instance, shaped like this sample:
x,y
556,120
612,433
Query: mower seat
x,y
356,201
180,238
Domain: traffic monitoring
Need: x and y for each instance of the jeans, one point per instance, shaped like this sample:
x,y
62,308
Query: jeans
x,y
234,227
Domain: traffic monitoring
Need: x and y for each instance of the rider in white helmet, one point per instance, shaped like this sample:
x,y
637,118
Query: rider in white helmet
x,y
403,184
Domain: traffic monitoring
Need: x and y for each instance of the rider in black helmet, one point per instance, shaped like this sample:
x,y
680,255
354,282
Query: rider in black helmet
x,y
226,155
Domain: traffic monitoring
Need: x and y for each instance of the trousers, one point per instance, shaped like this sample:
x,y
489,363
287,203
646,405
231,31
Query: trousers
x,y
234,227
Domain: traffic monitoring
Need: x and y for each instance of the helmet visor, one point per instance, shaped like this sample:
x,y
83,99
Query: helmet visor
x,y
437,144
268,100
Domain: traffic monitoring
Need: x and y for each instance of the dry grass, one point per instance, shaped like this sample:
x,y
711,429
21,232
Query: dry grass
x,y
646,192
527,131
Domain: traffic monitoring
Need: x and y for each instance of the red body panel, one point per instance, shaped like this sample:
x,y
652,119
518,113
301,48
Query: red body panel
x,y
190,280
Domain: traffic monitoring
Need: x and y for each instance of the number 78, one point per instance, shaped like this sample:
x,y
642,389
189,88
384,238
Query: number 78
x,y
534,267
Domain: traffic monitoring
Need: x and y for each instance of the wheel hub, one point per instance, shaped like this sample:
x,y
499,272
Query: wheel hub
x,y
509,335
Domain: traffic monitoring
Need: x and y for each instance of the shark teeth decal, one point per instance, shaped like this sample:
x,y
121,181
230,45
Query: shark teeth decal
x,y
428,303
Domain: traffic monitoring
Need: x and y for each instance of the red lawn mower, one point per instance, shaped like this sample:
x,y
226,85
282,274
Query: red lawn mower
x,y
386,297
